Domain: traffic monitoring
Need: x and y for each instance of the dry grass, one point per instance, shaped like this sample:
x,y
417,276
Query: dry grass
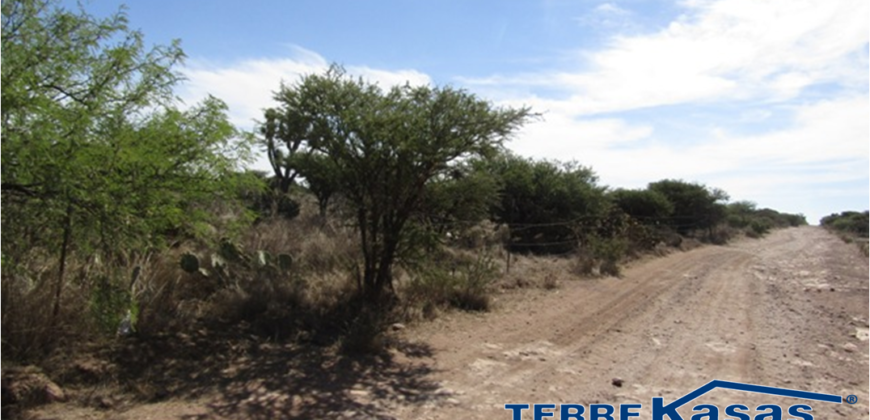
x,y
30,328
98,292
584,264
551,281
528,271
449,278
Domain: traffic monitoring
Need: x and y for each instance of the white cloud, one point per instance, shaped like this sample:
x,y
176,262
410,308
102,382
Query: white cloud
x,y
562,137
247,86
608,16
610,8
824,132
729,49
767,54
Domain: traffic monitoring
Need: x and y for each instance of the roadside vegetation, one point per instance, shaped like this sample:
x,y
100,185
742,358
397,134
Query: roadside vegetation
x,y
127,216
851,226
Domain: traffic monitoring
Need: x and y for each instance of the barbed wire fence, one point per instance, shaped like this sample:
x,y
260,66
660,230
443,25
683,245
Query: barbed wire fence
x,y
577,225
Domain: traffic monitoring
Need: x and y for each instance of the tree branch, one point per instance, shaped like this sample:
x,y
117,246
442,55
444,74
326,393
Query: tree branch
x,y
19,188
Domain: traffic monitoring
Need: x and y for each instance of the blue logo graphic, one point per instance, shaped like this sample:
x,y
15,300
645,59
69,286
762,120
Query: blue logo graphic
x,y
660,411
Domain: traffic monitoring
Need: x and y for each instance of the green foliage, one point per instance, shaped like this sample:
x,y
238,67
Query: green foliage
x,y
460,200
260,195
646,206
321,177
109,303
758,228
609,251
758,222
189,263
696,207
283,134
96,157
460,284
547,205
285,262
385,146
740,213
852,222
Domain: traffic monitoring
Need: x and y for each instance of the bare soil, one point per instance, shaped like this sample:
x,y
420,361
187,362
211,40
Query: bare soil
x,y
789,310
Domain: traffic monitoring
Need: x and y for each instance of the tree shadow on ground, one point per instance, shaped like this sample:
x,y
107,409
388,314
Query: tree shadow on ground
x,y
246,376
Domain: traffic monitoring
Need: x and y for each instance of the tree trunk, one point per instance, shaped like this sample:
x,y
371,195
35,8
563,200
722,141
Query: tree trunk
x,y
58,287
322,206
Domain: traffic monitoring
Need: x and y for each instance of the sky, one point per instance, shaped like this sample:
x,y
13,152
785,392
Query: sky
x,y
767,100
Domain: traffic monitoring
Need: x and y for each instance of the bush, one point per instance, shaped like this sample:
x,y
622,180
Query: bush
x,y
609,251
758,228
720,235
848,221
757,223
545,203
454,281
110,302
645,206
584,262
603,254
695,206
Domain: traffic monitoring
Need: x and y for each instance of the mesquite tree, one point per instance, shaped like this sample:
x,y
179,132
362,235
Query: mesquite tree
x,y
384,146
96,156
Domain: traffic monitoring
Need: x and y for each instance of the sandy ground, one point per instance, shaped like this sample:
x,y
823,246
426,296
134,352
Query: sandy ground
x,y
789,310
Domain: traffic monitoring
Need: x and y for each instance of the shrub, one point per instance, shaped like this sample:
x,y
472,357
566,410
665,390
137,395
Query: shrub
x,y
646,206
695,206
609,251
459,282
720,235
584,262
758,228
603,254
544,202
848,221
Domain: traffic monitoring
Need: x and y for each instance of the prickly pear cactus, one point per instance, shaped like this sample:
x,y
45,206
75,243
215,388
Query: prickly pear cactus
x,y
285,261
189,263
231,252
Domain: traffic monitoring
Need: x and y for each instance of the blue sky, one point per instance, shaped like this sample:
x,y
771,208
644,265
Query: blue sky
x,y
767,100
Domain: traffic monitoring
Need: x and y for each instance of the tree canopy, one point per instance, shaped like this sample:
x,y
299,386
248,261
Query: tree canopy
x,y
646,206
96,153
546,204
696,207
385,146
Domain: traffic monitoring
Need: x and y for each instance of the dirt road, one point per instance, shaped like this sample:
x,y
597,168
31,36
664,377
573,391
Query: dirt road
x,y
789,310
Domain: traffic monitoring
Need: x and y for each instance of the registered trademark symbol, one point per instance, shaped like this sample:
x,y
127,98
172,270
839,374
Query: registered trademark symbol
x,y
852,399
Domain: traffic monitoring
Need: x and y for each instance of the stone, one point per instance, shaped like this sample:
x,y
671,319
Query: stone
x,y
54,393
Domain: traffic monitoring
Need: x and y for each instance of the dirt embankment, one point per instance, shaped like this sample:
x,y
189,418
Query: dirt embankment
x,y
789,310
